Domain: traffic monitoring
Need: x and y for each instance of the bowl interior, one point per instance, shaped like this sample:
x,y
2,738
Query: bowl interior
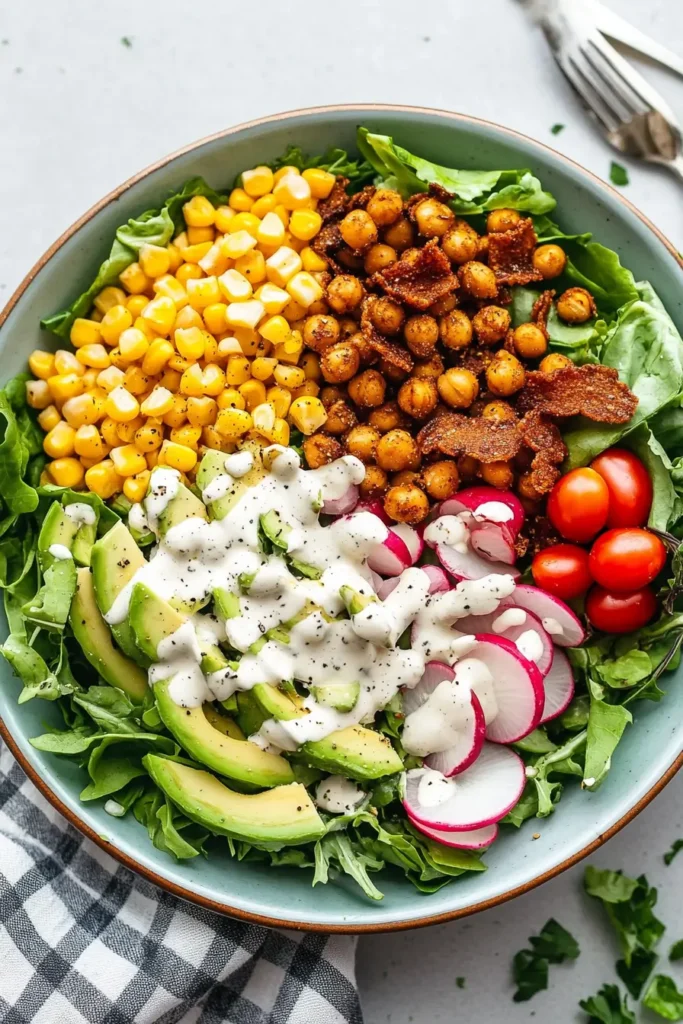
x,y
652,744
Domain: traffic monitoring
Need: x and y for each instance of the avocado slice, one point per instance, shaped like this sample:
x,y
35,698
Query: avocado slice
x,y
340,696
356,752
183,505
226,603
285,814
228,726
152,619
275,528
57,528
83,543
355,602
234,758
93,634
49,607
115,559
213,465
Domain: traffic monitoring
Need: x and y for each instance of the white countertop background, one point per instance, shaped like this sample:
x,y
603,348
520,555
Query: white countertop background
x,y
80,112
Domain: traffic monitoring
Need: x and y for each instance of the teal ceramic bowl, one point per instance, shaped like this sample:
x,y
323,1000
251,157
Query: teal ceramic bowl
x,y
649,755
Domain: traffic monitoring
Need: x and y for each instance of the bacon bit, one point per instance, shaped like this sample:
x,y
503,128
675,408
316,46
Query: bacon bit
x,y
511,254
441,193
420,277
327,244
541,309
544,474
336,203
395,355
413,202
592,390
482,439
542,435
360,200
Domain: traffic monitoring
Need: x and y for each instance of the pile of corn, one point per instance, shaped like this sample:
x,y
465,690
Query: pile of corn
x,y
199,347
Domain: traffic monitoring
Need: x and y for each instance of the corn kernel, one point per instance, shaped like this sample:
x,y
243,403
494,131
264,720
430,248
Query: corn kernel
x,y
143,325
310,364
188,317
282,265
177,456
211,354
59,442
41,364
227,347
199,212
64,386
84,332
230,399
152,459
271,230
253,266
194,253
128,460
313,263
157,356
244,314
237,371
135,487
297,244
280,399
190,342
134,279
38,394
251,343
304,289
160,314
275,329
67,472
81,410
109,431
309,388
224,214
192,381
121,406
170,379
136,304
103,479
290,351
173,289
243,222
234,286
188,271
280,433
320,182
203,293
289,376
95,356
238,244
49,418
265,204
308,414
195,236
274,299
214,319
187,435
90,378
240,201
284,171
180,363
212,439
96,315
305,224
158,404
66,362
213,379
262,368
233,423
149,436
258,182
108,298
175,260
263,417
253,392
201,412
114,322
126,431
216,260
155,260
283,214
88,442
293,192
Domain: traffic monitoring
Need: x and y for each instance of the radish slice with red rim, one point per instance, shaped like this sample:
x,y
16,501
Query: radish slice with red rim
x,y
478,797
556,617
468,565
494,542
558,686
411,538
516,694
342,505
438,581
390,557
512,626
377,509
470,839
471,725
487,505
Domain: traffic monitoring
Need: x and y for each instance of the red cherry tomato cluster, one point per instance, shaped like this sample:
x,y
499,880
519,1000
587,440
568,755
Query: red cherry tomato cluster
x,y
614,491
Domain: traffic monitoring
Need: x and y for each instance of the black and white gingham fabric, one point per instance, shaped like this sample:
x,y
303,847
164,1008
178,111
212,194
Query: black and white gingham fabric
x,y
85,941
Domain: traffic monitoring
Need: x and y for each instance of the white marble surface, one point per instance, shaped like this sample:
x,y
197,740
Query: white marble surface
x,y
80,112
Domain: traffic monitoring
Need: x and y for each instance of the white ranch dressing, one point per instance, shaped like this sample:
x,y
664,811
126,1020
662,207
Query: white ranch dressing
x,y
137,520
510,617
552,626
433,636
494,512
449,530
473,674
435,725
60,552
530,645
80,512
338,795
434,788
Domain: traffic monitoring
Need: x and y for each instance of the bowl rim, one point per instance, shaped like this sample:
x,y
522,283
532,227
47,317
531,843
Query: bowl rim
x,y
129,862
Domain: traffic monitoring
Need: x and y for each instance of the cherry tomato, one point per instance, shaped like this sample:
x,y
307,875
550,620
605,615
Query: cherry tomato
x,y
626,559
562,570
578,505
629,486
620,612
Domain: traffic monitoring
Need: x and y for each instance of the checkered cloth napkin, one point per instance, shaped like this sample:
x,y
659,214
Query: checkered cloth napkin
x,y
85,941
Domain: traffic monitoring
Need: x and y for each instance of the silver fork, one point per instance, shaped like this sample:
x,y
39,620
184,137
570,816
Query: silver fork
x,y
632,115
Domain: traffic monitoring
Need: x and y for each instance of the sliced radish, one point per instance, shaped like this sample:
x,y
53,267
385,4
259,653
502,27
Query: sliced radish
x,y
471,839
377,509
471,726
517,688
556,617
558,686
485,504
390,557
478,797
468,565
378,583
494,542
438,581
504,625
342,505
411,538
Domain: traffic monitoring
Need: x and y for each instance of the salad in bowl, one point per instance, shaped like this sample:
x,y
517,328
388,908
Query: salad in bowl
x,y
341,526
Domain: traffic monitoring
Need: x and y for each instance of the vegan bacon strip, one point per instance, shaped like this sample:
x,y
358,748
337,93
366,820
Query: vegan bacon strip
x,y
592,390
482,439
511,254
420,277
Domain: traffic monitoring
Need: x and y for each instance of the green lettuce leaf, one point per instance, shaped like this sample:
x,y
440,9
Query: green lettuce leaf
x,y
606,724
338,849
30,666
607,1007
49,608
663,998
117,759
335,160
17,445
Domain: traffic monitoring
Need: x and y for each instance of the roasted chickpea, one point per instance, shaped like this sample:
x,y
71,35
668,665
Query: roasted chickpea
x,y
576,305
378,257
340,418
347,327
400,235
455,329
433,218
443,305
388,417
391,372
502,220
421,334
441,479
385,206
406,504
331,394
530,341
554,361
344,293
499,412
365,350
468,467
429,367
387,315
397,450
374,484
406,476
358,230
320,332
491,324
483,249
497,474
505,374
418,397
478,280
549,260
461,242
340,362
320,450
361,441
458,388
368,389
350,259
526,489
318,307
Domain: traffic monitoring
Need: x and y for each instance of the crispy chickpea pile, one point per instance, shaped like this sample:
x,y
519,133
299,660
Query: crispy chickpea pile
x,y
466,356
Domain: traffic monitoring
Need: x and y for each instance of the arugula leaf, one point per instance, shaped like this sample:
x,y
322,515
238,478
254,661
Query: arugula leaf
x,y
110,708
675,847
338,849
553,945
335,160
663,998
168,830
557,128
530,975
30,666
153,227
49,608
117,759
676,951
667,504
606,724
607,1007
618,175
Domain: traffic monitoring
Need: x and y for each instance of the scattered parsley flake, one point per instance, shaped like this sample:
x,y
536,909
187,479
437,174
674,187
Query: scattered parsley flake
x,y
618,175
126,41
676,951
553,945
607,1007
663,998
460,981
675,847
557,128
